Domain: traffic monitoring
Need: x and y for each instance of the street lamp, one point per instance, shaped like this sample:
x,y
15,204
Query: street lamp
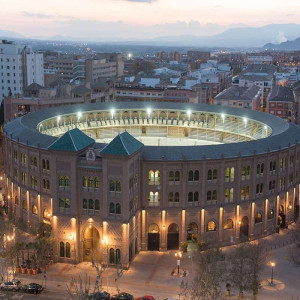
x,y
178,255
272,265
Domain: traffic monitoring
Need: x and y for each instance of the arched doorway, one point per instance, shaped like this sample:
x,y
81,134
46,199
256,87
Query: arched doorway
x,y
244,228
173,237
281,217
91,243
153,237
192,232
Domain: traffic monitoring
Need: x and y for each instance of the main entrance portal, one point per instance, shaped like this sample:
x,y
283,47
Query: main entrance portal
x,y
91,244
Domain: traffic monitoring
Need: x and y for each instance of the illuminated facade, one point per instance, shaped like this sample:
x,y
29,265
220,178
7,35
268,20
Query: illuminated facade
x,y
117,178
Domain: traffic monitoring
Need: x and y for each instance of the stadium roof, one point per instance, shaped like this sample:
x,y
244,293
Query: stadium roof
x,y
25,130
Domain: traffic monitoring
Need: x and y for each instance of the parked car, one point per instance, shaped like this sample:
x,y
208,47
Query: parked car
x,y
122,296
13,285
145,298
32,288
100,296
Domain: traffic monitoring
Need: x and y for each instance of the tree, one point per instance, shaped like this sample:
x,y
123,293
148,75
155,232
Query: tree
x,y
207,283
246,264
239,269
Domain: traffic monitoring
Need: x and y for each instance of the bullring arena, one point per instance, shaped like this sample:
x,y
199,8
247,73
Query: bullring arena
x,y
116,178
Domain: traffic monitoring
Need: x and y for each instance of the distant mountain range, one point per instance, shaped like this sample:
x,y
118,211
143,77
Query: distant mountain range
x,y
242,37
288,45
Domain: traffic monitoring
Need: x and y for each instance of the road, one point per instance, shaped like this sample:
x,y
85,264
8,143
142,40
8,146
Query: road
x,y
44,295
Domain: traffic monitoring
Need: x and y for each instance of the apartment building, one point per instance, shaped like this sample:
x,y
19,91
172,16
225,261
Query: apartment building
x,y
19,67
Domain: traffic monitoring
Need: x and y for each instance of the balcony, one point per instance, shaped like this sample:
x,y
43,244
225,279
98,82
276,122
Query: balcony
x,y
91,212
150,203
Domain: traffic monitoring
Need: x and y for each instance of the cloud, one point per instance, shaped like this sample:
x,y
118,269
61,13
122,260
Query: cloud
x,y
37,15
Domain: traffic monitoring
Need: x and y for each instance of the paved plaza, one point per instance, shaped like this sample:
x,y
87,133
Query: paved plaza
x,y
150,273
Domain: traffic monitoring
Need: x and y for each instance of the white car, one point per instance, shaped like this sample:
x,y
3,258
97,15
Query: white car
x,y
13,285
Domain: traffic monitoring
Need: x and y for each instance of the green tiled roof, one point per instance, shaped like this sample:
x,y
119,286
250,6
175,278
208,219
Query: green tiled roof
x,y
72,140
123,144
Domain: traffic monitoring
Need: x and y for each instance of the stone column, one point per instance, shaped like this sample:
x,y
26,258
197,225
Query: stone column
x,y
202,224
237,223
252,219
221,223
183,226
266,216
163,242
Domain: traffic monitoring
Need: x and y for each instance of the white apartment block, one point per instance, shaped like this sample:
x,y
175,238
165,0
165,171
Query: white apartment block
x,y
19,67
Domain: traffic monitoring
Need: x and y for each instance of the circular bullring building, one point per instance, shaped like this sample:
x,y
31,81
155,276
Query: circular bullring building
x,y
116,178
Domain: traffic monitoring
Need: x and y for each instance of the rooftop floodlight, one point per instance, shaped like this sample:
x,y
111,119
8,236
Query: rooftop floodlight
x,y
223,117
112,111
245,121
58,118
149,110
129,55
189,113
79,114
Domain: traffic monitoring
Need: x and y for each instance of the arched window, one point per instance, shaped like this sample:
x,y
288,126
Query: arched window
x,y
84,181
61,203
190,197
24,204
46,214
34,210
248,171
118,208
262,166
156,179
61,249
97,183
91,204
171,176
91,182
118,257
176,198
232,174
111,208
111,186
209,175
226,195
153,228
191,176
61,180
211,226
208,196
177,176
68,250
47,165
97,205
215,174
151,176
258,218
111,256
214,195
196,175
171,197
67,181
228,224
231,194
196,196
243,172
257,169
270,214
67,203
118,186
84,204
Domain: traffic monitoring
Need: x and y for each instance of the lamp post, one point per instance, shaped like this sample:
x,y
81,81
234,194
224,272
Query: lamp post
x,y
105,242
272,266
178,255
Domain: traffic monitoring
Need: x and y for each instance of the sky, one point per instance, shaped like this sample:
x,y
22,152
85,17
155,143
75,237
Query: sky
x,y
136,19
